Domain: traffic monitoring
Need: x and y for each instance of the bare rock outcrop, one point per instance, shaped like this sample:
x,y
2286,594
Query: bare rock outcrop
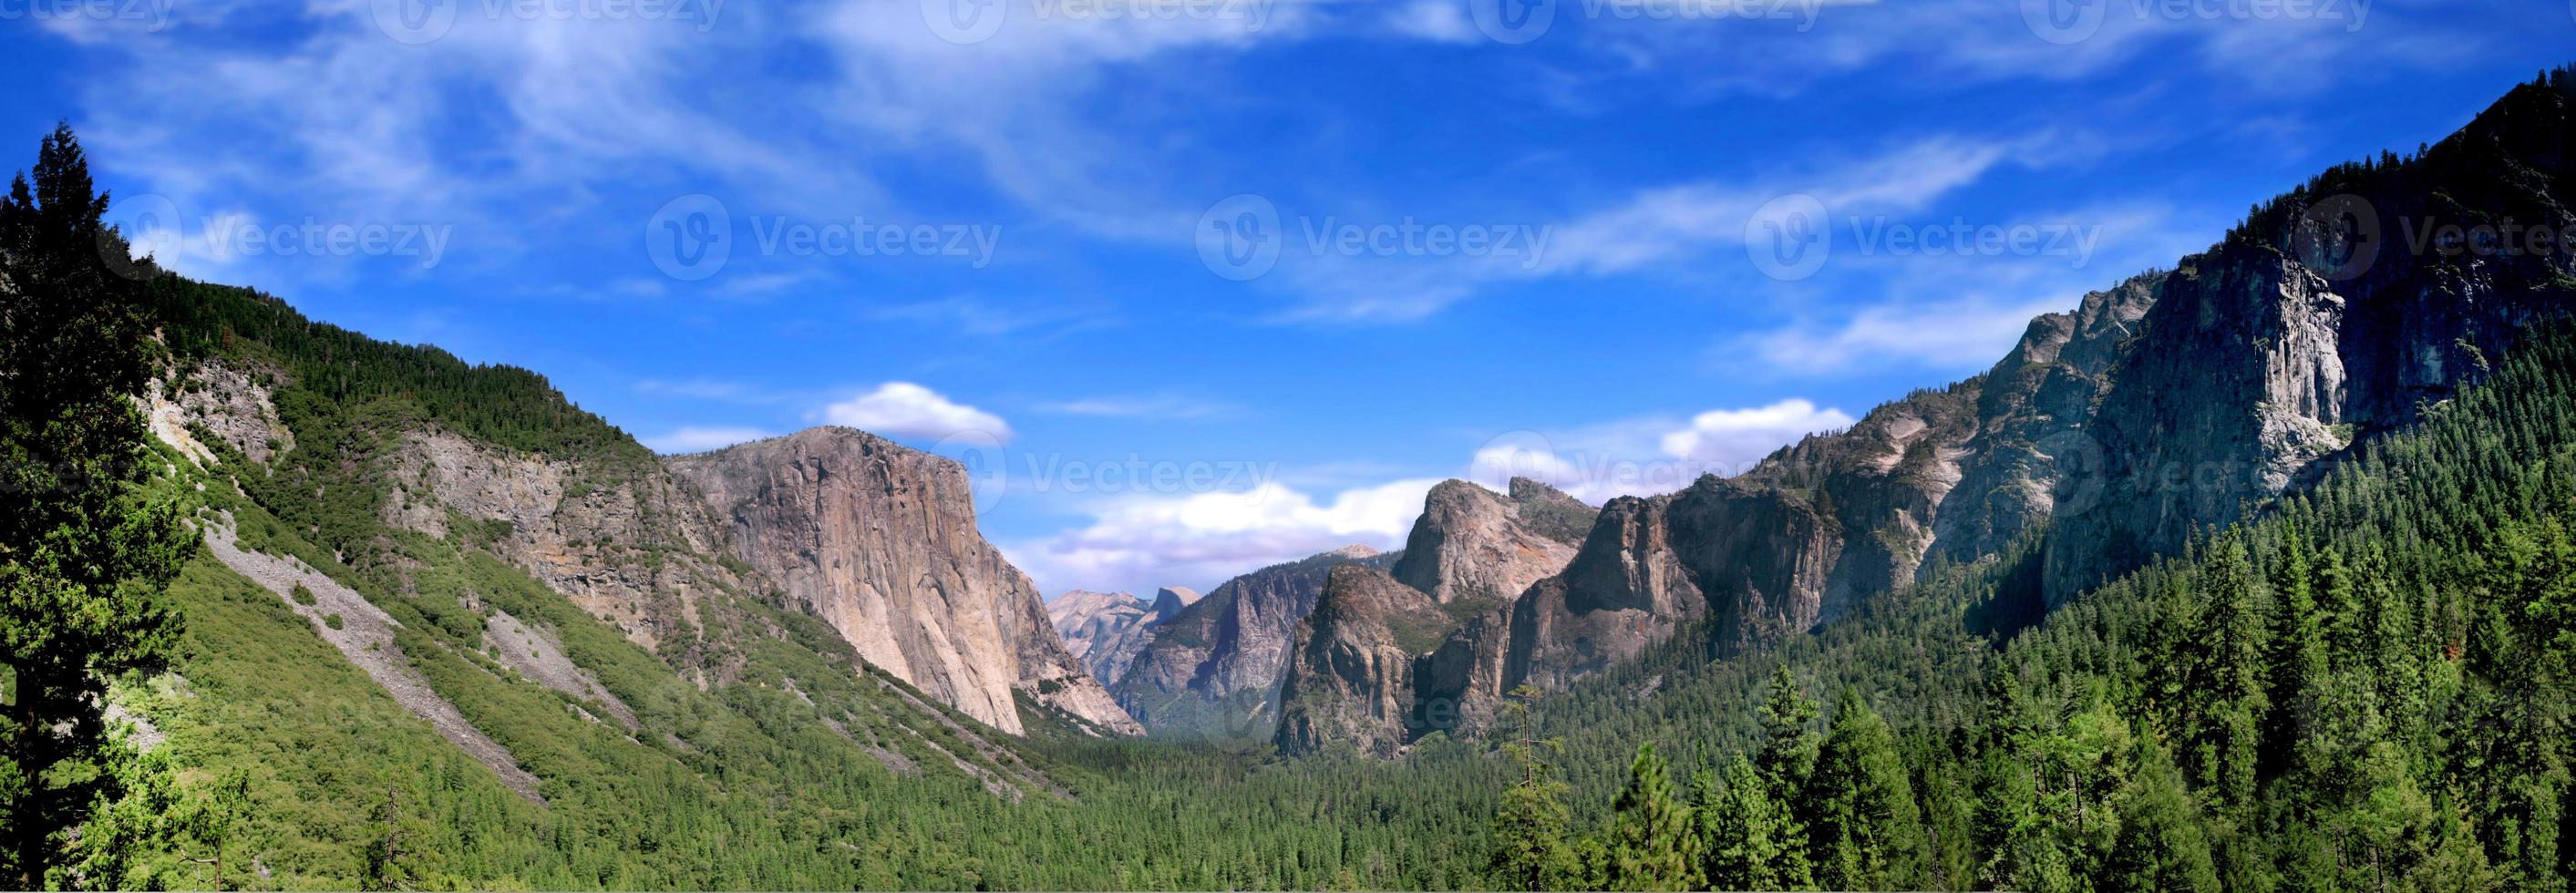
x,y
1388,657
880,542
1214,669
626,545
1351,678
1104,630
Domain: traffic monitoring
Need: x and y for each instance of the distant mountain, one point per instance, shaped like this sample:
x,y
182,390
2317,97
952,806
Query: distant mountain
x,y
1213,669
2169,403
1104,630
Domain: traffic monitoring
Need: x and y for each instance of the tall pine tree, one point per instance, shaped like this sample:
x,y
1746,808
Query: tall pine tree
x,y
1867,832
1653,842
82,560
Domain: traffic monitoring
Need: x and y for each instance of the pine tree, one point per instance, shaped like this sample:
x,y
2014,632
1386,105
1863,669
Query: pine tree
x,y
1653,842
1868,831
2226,704
2160,846
1533,827
1750,842
82,560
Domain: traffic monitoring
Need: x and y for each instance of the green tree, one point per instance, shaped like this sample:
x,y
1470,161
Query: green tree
x,y
2160,844
1751,842
207,829
82,559
1533,827
1868,832
1653,844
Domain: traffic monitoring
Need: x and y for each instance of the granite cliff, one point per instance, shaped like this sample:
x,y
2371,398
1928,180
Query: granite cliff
x,y
880,542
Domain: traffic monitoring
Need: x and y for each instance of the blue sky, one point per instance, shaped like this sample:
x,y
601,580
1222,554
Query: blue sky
x,y
1198,285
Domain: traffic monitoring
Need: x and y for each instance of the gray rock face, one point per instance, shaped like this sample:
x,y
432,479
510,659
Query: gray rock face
x,y
1387,658
880,542
1104,630
234,404
2172,401
582,531
1214,669
1472,544
2269,355
1819,526
1351,678
1169,600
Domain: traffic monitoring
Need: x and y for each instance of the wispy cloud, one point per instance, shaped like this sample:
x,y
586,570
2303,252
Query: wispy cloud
x,y
1151,407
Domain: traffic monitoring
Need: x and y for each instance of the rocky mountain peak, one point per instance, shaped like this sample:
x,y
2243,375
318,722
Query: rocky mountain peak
x,y
1169,600
880,541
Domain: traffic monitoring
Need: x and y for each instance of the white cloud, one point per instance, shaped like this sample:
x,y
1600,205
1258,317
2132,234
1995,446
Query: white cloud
x,y
693,439
904,409
1136,543
1653,454
1737,438
1139,542
1439,21
1944,335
